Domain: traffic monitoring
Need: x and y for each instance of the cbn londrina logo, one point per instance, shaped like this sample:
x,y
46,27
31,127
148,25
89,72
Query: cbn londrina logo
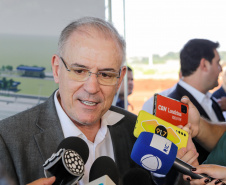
x,y
151,162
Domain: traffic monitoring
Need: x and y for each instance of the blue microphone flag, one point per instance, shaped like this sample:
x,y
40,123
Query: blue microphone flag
x,y
154,152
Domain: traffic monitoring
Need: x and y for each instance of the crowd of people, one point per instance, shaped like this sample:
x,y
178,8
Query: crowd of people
x,y
89,67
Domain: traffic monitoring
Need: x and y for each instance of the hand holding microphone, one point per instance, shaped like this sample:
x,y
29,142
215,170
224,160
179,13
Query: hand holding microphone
x,y
67,165
216,171
157,154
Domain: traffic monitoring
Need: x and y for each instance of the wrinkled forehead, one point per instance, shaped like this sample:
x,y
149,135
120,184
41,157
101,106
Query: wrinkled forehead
x,y
91,48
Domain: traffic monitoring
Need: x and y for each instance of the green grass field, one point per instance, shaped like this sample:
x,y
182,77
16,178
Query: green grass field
x,y
34,86
27,50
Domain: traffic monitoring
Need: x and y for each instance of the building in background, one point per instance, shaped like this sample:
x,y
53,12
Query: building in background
x,y
31,71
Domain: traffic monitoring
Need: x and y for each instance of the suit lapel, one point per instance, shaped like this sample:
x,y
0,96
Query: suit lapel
x,y
51,133
183,92
217,110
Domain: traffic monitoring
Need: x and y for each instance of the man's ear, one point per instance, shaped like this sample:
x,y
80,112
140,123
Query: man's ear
x,y
55,68
204,64
122,74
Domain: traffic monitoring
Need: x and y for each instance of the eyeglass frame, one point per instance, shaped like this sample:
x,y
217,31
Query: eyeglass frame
x,y
97,74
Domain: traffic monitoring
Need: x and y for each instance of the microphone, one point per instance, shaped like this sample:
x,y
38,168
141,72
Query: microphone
x,y
104,171
157,154
136,176
67,164
150,123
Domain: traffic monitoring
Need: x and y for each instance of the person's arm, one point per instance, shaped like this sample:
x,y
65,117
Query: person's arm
x,y
215,171
210,133
202,130
43,181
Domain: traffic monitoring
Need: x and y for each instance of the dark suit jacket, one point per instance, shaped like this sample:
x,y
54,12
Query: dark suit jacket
x,y
219,93
177,94
29,138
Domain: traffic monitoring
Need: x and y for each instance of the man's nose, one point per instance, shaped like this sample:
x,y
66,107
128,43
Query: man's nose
x,y
92,85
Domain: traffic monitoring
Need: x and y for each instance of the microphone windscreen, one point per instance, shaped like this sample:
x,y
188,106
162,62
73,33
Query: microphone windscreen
x,y
76,144
104,165
136,176
154,153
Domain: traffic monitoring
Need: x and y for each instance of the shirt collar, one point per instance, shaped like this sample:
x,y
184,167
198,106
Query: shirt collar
x,y
200,97
70,129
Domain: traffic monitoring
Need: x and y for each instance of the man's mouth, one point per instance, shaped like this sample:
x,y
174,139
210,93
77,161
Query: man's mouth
x,y
88,103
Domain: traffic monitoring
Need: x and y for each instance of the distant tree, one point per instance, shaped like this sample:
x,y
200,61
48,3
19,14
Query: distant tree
x,y
8,67
171,56
137,60
4,83
157,59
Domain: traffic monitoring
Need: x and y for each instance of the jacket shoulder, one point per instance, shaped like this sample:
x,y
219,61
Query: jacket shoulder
x,y
29,115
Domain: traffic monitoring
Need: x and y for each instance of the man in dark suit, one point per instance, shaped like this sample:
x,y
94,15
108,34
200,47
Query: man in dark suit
x,y
89,70
220,94
200,69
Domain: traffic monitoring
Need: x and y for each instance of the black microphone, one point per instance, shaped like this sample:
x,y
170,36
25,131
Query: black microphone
x,y
104,170
136,176
185,168
67,165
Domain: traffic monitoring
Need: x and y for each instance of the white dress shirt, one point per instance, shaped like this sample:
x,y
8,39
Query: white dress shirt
x,y
102,145
203,99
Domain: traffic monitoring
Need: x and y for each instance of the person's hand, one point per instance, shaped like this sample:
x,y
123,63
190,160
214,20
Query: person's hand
x,y
188,154
193,117
222,103
43,181
215,171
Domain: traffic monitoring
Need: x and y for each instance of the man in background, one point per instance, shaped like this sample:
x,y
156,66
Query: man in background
x,y
220,94
200,70
120,101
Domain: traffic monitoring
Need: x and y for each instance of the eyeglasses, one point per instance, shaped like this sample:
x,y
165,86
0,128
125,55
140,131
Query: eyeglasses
x,y
81,74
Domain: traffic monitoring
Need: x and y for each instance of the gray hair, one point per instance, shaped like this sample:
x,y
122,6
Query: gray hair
x,y
101,25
